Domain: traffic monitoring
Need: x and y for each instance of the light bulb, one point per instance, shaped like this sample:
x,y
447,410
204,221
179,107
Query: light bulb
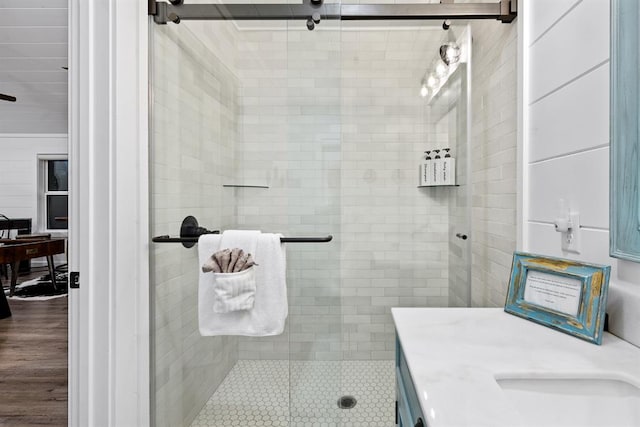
x,y
432,81
450,53
424,91
441,69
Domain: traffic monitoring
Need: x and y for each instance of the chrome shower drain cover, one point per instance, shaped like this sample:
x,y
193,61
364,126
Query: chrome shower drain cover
x,y
347,402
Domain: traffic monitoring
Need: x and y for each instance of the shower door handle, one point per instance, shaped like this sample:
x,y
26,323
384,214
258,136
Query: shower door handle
x,y
462,236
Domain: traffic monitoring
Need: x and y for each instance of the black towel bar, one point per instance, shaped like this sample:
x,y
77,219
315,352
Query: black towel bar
x,y
169,239
190,232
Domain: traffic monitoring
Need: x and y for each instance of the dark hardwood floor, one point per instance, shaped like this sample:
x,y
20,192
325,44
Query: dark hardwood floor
x,y
33,363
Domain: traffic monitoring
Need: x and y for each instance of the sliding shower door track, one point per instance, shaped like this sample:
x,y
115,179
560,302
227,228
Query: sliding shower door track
x,y
504,11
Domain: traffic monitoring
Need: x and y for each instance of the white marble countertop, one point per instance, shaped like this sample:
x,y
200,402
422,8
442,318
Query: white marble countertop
x,y
456,354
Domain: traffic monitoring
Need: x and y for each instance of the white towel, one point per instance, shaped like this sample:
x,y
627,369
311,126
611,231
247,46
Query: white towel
x,y
247,240
270,306
234,291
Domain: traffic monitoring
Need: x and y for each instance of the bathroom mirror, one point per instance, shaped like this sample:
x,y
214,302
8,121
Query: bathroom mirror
x,y
625,117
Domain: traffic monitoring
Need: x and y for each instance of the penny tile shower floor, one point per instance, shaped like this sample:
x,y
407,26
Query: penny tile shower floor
x,y
265,393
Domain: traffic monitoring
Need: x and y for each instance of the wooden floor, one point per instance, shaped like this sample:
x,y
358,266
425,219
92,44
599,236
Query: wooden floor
x,y
33,364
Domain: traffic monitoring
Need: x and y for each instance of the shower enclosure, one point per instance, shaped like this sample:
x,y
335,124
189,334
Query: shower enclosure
x,y
263,124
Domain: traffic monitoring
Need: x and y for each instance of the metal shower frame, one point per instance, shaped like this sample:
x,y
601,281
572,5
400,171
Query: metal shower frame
x,y
504,11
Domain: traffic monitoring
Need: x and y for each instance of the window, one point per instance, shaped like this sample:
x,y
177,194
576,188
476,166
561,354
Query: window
x,y
55,209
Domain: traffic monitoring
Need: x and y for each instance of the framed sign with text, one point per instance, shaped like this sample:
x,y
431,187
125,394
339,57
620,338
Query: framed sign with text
x,y
566,295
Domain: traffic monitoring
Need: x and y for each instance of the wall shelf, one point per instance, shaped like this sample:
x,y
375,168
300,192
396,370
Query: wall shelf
x,y
439,185
244,186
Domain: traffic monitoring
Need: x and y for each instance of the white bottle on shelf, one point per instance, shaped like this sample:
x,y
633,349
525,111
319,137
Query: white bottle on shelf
x,y
436,170
425,170
448,169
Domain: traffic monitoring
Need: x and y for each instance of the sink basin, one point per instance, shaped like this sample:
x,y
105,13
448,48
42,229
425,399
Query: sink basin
x,y
569,402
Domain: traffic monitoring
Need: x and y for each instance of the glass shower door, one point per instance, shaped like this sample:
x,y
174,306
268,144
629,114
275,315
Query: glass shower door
x,y
460,203
313,186
288,149
449,113
192,132
266,125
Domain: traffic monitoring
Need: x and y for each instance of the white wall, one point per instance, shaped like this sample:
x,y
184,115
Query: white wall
x,y
19,172
566,138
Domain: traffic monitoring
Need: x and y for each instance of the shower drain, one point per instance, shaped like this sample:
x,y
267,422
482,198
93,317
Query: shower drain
x,y
347,402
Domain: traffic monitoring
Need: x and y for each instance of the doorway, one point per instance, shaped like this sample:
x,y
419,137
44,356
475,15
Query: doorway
x,y
34,192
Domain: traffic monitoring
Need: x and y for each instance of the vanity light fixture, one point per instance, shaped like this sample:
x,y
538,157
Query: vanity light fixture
x,y
449,51
450,55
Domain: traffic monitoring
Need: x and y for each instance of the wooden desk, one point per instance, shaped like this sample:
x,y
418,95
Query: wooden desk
x,y
22,226
12,252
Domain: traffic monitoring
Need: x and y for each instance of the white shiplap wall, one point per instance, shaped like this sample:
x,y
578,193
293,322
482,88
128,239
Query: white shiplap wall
x,y
19,172
33,50
566,138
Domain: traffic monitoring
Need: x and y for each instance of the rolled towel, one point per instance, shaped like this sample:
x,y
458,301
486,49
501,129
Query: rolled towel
x,y
223,257
228,261
250,262
211,265
235,255
240,263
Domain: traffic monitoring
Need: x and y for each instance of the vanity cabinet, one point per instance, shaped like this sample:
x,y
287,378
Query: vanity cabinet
x,y
408,412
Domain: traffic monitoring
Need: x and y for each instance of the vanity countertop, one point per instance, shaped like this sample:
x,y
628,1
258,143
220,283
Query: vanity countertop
x,y
455,355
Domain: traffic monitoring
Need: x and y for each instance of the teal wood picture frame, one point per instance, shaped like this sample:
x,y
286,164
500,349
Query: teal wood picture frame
x,y
566,295
624,215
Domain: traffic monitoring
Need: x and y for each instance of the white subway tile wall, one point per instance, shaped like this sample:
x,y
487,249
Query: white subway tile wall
x,y
394,237
290,140
192,154
333,122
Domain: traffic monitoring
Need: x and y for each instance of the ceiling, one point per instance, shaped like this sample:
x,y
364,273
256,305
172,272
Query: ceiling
x,y
33,50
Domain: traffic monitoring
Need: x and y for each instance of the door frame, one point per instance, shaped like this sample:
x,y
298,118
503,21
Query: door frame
x,y
109,213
